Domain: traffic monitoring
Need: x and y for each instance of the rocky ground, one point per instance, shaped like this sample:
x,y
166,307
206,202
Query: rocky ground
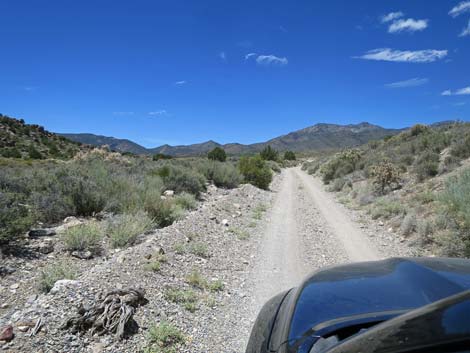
x,y
215,241
216,267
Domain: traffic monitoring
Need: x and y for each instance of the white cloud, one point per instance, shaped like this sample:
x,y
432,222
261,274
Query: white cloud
x,y
267,59
460,92
418,56
123,113
414,82
392,16
180,83
466,31
222,55
409,25
162,112
461,8
247,56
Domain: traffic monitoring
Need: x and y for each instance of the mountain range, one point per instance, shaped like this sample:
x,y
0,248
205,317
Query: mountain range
x,y
316,137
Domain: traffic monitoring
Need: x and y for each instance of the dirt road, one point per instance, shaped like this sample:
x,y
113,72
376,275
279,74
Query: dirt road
x,y
305,230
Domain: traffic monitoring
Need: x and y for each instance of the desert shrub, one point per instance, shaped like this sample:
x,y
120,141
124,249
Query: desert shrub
x,y
448,164
408,225
34,153
255,171
163,338
216,286
425,228
160,156
182,179
418,129
338,184
196,280
456,199
15,217
427,165
340,165
223,175
387,208
188,298
217,154
124,229
385,175
199,249
50,274
452,244
164,212
269,154
274,166
86,236
365,195
289,156
186,201
461,148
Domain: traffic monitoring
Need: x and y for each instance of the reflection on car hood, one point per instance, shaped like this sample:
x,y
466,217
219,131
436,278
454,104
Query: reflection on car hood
x,y
372,287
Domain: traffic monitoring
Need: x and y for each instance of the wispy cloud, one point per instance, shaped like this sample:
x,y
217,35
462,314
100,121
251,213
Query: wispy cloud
x,y
408,25
123,113
180,83
459,92
162,112
223,55
461,8
466,31
459,104
29,88
414,82
267,59
391,16
418,56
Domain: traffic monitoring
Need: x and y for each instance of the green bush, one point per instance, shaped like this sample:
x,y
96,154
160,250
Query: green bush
x,y
160,156
34,153
418,129
427,165
164,212
269,154
255,171
274,166
15,217
217,154
124,229
223,175
385,175
163,338
289,156
461,148
456,199
86,236
52,273
184,180
340,165
186,201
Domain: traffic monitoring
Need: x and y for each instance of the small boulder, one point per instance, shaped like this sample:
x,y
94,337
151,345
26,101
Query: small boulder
x,y
225,222
169,193
6,333
45,247
84,255
63,284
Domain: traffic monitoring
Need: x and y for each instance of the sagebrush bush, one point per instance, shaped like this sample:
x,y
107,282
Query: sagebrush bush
x,y
340,165
408,225
427,165
456,199
186,201
164,212
289,156
274,166
50,274
387,208
86,236
184,180
255,171
124,229
223,175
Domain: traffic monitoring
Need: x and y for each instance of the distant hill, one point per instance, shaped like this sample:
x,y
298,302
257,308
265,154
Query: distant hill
x,y
120,145
317,137
21,140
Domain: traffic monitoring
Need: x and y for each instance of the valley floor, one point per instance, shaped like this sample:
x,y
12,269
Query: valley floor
x,y
257,243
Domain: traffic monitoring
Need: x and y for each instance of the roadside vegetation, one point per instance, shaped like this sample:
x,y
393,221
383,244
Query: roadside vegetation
x,y
417,183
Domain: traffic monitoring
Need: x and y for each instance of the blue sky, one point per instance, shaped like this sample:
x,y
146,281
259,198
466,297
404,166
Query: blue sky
x,y
182,72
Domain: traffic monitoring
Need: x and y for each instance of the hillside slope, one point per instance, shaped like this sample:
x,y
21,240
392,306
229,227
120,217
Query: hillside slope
x,y
115,144
21,140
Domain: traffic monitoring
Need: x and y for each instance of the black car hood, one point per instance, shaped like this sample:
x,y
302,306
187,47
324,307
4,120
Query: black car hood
x,y
390,286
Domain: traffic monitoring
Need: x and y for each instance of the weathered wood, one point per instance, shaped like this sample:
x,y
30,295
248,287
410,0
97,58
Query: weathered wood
x,y
112,314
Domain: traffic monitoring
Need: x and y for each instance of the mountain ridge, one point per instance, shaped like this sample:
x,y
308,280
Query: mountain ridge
x,y
321,136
